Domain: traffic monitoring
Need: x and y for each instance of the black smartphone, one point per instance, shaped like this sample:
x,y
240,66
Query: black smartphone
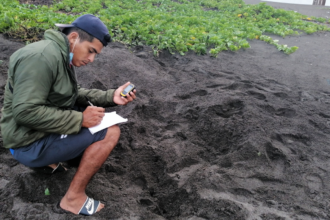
x,y
127,90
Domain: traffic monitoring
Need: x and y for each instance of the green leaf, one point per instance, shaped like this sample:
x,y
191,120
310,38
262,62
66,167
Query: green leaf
x,y
47,193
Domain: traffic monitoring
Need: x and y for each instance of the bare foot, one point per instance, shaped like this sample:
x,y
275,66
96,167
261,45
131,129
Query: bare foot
x,y
74,204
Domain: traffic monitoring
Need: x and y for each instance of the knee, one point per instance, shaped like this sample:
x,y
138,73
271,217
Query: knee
x,y
113,133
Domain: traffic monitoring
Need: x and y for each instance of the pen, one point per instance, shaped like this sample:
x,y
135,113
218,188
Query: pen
x,y
89,101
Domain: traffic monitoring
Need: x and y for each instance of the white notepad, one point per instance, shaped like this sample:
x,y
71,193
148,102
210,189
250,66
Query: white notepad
x,y
109,119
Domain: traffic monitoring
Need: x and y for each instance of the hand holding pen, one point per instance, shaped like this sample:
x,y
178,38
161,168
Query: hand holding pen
x,y
92,116
89,102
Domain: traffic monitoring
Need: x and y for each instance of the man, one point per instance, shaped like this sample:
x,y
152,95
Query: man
x,y
41,123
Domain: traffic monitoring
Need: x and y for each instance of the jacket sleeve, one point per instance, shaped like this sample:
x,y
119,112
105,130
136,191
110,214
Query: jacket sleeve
x,y
96,96
33,80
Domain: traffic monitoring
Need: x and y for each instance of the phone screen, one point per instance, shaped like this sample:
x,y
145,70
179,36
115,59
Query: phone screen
x,y
128,89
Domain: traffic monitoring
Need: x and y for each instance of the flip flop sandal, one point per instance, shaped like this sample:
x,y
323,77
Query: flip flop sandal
x,y
90,207
48,170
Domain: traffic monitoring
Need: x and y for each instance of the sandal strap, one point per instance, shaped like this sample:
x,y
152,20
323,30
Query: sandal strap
x,y
58,168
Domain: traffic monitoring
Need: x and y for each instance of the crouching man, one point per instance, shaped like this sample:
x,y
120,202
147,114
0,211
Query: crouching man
x,y
41,122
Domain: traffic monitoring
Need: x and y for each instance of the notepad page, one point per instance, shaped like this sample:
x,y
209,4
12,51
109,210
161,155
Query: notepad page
x,y
109,119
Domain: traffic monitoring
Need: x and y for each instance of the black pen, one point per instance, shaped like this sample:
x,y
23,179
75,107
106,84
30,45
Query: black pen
x,y
89,101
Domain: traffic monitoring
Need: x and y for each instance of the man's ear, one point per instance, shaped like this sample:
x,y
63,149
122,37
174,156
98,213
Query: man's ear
x,y
73,37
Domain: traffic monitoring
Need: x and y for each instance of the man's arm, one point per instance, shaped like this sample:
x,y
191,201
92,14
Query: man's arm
x,y
32,83
107,98
96,96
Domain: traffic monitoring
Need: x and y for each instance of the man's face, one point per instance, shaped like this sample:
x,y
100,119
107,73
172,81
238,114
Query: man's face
x,y
84,52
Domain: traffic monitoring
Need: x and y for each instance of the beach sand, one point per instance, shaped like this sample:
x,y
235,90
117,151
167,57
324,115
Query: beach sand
x,y
244,136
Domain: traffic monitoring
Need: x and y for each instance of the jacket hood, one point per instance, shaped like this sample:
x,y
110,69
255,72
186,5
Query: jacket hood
x,y
60,39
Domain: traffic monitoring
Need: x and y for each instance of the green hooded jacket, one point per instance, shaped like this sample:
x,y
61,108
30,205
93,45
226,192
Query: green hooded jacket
x,y
41,91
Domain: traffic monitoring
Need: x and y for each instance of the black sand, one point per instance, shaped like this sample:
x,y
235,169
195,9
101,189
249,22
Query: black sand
x,y
242,136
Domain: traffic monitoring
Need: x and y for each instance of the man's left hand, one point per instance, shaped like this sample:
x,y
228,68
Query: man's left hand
x,y
119,100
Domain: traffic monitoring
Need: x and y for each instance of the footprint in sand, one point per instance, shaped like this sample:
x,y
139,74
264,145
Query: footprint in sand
x,y
257,95
239,86
228,108
281,95
324,115
191,95
283,112
305,96
313,185
286,112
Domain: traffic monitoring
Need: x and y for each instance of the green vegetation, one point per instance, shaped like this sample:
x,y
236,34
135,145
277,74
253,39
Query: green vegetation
x,y
204,26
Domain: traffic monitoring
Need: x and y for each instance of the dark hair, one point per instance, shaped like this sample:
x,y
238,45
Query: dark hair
x,y
83,35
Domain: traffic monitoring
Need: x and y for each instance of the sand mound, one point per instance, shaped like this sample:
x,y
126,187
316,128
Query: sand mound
x,y
242,136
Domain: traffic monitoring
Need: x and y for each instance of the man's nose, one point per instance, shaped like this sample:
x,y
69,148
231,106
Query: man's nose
x,y
91,57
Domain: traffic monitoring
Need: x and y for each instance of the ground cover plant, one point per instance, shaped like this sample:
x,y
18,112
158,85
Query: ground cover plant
x,y
204,26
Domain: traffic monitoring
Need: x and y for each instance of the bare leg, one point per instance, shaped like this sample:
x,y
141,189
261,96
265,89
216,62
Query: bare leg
x,y
93,158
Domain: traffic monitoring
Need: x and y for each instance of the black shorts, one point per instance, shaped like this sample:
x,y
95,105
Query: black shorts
x,y
56,148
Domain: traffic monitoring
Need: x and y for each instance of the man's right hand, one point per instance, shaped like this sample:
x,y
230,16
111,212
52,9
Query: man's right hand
x,y
92,116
